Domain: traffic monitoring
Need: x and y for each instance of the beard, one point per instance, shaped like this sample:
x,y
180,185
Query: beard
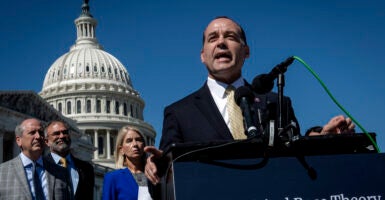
x,y
61,147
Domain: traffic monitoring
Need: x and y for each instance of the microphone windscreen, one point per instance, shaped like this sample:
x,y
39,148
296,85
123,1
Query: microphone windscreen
x,y
243,91
262,84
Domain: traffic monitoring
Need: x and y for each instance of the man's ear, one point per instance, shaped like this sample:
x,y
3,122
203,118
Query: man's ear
x,y
202,56
18,141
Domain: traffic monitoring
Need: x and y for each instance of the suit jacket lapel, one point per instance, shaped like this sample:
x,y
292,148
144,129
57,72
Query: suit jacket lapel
x,y
21,176
205,103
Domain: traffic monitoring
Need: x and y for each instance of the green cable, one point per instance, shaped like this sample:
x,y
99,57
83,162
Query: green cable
x,y
338,104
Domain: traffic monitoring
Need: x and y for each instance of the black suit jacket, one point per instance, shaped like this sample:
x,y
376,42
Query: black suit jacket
x,y
85,189
196,118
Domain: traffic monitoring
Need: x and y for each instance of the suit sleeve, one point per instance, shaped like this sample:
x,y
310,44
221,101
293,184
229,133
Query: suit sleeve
x,y
91,175
90,179
270,111
291,116
171,131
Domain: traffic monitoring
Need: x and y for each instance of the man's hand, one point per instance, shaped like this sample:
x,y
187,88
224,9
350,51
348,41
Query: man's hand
x,y
338,125
150,169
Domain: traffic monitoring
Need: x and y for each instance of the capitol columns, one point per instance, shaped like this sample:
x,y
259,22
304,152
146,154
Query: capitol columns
x,y
96,153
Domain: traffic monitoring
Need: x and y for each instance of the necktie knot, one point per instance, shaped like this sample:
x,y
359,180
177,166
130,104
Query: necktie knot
x,y
63,162
229,91
35,167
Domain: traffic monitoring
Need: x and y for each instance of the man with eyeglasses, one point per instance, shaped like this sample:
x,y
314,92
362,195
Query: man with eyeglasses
x,y
29,175
81,173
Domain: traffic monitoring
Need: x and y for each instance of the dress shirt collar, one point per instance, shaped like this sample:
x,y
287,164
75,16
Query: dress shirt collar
x,y
27,161
218,88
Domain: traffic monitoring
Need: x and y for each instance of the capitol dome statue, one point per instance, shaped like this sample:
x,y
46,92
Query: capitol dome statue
x,y
93,88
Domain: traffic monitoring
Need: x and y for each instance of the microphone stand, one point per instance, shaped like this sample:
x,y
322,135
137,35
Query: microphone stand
x,y
285,132
281,85
279,71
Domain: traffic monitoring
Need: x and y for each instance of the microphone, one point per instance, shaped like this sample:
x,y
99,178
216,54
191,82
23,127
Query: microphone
x,y
264,83
243,96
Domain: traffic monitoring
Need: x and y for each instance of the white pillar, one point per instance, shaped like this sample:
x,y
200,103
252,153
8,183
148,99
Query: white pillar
x,y
96,153
103,105
88,30
83,30
78,31
108,145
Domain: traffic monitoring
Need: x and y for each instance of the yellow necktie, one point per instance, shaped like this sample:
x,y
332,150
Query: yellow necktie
x,y
63,162
235,115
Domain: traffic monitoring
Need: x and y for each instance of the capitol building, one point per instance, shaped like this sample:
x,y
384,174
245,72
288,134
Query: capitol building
x,y
91,91
93,88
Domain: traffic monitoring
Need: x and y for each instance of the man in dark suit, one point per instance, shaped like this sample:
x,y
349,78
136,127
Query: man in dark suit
x,y
29,176
196,118
80,173
204,115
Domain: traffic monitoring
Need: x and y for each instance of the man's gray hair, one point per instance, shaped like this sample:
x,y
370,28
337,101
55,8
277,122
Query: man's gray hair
x,y
19,129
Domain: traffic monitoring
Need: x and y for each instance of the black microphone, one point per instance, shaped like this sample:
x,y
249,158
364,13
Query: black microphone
x,y
243,96
264,83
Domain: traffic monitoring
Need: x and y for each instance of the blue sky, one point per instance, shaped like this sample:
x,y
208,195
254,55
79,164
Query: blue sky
x,y
159,42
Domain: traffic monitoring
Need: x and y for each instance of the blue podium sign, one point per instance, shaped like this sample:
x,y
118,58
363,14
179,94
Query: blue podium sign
x,y
323,168
332,177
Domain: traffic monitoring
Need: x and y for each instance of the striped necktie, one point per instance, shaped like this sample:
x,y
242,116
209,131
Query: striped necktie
x,y
235,115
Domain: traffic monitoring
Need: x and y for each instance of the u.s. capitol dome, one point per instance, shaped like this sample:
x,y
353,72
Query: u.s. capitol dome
x,y
92,87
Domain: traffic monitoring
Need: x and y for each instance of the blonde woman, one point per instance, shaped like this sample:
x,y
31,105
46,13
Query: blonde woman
x,y
128,181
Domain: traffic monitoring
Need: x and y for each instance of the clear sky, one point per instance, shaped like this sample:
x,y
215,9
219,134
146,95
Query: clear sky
x,y
159,42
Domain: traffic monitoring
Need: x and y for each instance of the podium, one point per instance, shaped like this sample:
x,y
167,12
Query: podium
x,y
332,167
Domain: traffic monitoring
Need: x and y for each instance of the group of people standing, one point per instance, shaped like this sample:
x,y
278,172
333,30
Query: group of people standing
x,y
45,169
38,173
200,117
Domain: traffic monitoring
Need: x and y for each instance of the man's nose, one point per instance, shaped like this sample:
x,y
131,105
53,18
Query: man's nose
x,y
221,43
39,134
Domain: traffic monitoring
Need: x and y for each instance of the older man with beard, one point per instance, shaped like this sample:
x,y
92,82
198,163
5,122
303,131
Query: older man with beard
x,y
81,173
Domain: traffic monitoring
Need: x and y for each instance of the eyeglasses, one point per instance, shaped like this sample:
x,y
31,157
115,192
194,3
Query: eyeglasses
x,y
64,132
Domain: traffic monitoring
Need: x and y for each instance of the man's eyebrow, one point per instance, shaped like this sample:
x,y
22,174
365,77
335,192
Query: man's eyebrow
x,y
232,32
214,33
34,130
